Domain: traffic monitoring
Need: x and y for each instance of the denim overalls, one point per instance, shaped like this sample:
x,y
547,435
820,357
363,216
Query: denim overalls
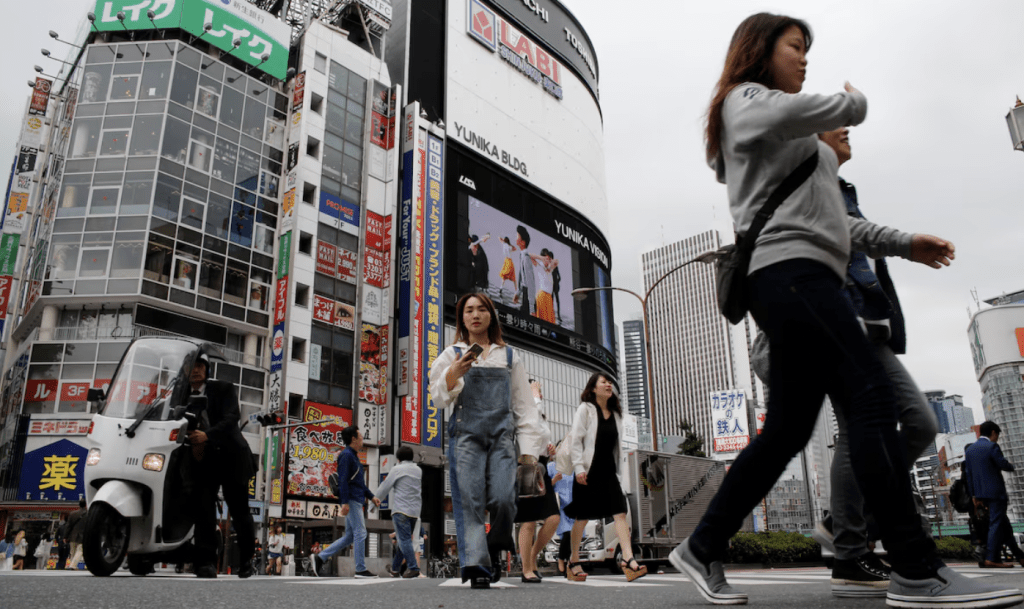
x,y
482,461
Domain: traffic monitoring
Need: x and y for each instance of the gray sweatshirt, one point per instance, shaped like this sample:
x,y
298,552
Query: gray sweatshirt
x,y
406,480
766,134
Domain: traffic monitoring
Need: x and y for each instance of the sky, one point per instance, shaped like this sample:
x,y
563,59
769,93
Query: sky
x,y
933,156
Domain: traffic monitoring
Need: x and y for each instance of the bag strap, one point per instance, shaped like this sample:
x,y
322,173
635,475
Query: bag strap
x,y
781,193
508,357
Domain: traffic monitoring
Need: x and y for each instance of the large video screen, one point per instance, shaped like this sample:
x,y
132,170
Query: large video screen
x,y
528,253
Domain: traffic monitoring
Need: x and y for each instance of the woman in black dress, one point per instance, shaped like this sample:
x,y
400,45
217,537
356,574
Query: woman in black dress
x,y
543,508
597,492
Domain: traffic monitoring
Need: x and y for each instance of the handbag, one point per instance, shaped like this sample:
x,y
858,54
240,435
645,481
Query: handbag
x,y
734,260
563,458
530,480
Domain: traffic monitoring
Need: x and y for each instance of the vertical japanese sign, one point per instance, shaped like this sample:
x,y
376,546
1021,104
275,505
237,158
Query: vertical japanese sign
x,y
280,310
729,420
410,288
373,364
433,279
40,97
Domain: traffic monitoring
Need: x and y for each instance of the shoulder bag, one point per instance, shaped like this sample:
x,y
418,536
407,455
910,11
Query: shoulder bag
x,y
734,260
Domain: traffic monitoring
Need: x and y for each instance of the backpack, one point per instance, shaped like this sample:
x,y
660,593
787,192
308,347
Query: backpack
x,y
959,496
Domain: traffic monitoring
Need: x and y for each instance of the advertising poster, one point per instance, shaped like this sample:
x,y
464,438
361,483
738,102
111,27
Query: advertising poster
x,y
313,451
373,364
298,91
54,472
433,278
40,97
411,280
326,258
347,262
333,312
729,420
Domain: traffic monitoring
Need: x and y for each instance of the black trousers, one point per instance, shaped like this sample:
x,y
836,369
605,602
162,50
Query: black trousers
x,y
818,348
213,477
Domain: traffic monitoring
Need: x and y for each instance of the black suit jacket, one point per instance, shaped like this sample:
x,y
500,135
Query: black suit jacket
x,y
225,444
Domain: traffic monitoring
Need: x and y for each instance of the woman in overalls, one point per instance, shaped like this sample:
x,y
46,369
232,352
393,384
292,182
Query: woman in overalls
x,y
492,405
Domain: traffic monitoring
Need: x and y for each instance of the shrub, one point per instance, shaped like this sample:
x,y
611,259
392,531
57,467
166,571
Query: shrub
x,y
773,547
954,547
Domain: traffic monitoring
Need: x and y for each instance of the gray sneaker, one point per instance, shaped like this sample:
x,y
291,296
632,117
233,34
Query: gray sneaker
x,y
709,579
948,590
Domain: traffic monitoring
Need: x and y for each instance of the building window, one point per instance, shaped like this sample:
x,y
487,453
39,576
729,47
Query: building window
x,y
313,147
320,63
298,349
306,243
302,295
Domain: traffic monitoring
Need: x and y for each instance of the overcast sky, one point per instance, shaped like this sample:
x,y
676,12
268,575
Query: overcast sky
x,y
933,156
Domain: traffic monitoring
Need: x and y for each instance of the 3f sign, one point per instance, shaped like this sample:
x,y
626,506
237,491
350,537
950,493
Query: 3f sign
x,y
160,8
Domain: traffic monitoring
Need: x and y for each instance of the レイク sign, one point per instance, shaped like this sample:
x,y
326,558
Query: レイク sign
x,y
525,55
262,39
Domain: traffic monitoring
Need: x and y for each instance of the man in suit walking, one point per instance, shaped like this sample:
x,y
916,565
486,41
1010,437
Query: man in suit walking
x,y
524,273
985,463
222,459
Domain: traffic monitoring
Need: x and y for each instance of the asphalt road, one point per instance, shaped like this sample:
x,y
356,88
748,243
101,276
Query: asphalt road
x,y
768,588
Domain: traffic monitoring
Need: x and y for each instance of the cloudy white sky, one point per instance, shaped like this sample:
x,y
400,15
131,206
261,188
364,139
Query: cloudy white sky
x,y
933,156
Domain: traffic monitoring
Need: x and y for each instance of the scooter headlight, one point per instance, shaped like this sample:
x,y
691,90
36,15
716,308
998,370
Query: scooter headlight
x,y
94,456
154,462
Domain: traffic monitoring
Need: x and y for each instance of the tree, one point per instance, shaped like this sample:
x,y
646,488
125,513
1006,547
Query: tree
x,y
692,443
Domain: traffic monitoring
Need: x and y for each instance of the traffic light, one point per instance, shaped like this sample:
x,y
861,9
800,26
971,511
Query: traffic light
x,y
271,418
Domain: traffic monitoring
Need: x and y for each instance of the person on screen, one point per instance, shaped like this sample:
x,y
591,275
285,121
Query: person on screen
x,y
508,268
525,276
478,262
543,266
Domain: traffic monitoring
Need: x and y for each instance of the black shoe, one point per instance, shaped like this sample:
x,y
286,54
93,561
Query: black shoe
x,y
318,563
246,571
391,572
864,576
411,574
365,574
495,566
206,572
531,580
539,576
480,582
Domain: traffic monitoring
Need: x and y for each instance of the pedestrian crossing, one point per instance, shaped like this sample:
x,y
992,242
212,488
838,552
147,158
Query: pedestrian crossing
x,y
811,576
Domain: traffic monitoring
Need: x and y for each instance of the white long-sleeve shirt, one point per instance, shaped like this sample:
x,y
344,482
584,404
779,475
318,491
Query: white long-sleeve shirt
x,y
524,410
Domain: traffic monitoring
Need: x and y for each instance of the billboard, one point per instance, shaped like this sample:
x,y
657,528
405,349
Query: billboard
x,y
729,420
373,364
996,336
313,456
236,26
434,280
528,253
54,471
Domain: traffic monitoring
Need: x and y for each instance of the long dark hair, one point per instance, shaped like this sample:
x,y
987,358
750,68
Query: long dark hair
x,y
493,330
589,396
748,60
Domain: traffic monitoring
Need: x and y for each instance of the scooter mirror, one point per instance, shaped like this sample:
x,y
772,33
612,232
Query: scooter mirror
x,y
178,412
182,432
95,395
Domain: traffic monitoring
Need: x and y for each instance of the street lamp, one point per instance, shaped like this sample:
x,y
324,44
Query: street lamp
x,y
581,293
1015,122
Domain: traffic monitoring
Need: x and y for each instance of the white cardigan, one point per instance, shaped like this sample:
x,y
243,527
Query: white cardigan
x,y
584,439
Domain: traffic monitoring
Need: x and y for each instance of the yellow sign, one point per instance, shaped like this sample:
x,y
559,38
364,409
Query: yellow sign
x,y
59,473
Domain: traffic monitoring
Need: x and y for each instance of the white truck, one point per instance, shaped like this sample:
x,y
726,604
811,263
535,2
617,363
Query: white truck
x,y
667,496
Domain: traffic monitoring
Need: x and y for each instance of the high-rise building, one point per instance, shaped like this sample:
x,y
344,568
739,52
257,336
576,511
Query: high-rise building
x,y
997,347
952,415
634,367
694,350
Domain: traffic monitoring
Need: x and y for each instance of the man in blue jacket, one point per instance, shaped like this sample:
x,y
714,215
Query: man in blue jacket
x,y
352,495
984,463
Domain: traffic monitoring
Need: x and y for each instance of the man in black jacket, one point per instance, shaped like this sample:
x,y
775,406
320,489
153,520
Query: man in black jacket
x,y
221,459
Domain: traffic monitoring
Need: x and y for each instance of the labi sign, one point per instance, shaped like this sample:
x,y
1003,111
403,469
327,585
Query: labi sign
x,y
262,39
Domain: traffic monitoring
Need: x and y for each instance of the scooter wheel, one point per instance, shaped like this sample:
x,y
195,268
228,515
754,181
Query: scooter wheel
x,y
105,542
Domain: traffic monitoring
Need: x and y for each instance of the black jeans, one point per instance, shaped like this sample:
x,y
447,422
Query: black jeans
x,y
817,347
213,476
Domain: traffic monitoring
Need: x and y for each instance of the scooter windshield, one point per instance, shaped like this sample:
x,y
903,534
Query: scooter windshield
x,y
151,379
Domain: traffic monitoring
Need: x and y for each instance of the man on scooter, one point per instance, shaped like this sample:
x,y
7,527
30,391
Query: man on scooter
x,y
221,458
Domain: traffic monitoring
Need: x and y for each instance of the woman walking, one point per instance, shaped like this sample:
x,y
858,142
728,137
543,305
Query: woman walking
x,y
485,384
563,489
275,547
544,508
597,491
759,129
20,550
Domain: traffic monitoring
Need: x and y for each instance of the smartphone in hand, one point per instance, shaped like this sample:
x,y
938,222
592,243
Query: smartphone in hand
x,y
475,350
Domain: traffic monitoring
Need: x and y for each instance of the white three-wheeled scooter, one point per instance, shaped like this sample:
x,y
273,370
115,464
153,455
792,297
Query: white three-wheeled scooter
x,y
139,480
